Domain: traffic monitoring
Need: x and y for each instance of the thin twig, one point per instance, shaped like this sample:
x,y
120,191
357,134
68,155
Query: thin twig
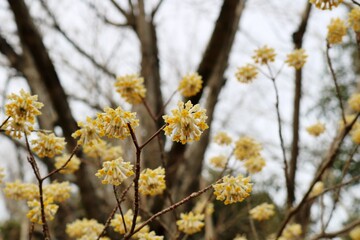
x,y
119,207
165,104
7,119
344,230
153,136
355,2
252,224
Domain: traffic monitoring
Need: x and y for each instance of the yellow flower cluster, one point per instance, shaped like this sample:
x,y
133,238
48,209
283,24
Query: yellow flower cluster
x,y
149,236
336,31
114,122
59,192
84,229
291,232
246,148
21,191
240,237
103,151
316,129
152,182
222,138
131,88
354,19
71,167
317,189
48,145
246,74
254,164
326,4
88,132
190,85
297,58
355,233
264,55
118,224
22,110
354,102
34,214
187,123
233,189
190,223
218,161
355,135
262,212
115,172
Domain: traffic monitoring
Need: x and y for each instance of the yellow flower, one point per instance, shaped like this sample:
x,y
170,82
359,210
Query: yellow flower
x,y
264,55
34,214
152,182
336,31
355,135
88,132
254,164
187,123
326,4
233,189
23,107
118,224
190,223
354,19
48,145
104,151
349,118
71,167
131,88
218,161
291,232
246,148
222,138
262,212
354,102
355,233
113,123
58,192
316,129
317,189
21,191
115,172
246,74
149,236
190,84
16,127
84,227
297,58
240,237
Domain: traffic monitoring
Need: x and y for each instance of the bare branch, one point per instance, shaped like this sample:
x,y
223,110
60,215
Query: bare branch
x,y
342,231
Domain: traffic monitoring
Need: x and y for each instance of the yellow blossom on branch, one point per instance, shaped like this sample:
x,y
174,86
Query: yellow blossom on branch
x,y
316,129
84,227
190,223
262,212
149,236
131,88
336,31
48,145
152,182
291,232
71,167
246,74
233,189
317,189
88,132
118,224
186,123
218,161
354,102
21,191
240,237
190,85
246,147
59,192
34,214
326,4
115,172
297,58
254,164
222,138
264,55
354,19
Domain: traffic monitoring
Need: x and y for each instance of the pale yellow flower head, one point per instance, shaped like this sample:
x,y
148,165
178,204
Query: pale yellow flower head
x,y
190,223
316,129
149,236
355,233
222,138
48,145
246,74
262,212
115,172
152,182
291,232
58,192
190,85
354,19
218,161
264,55
118,224
297,58
131,88
88,132
113,123
84,228
317,189
355,135
21,191
186,123
246,148
326,4
254,164
240,237
336,31
354,102
233,189
71,167
16,127
103,151
34,214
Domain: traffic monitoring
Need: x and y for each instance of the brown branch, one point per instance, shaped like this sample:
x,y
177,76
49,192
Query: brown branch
x,y
5,121
156,9
342,231
119,207
356,3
